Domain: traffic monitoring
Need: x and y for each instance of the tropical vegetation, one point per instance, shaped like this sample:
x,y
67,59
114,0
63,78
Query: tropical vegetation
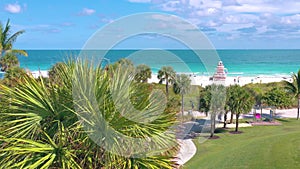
x,y
217,103
182,85
14,76
167,74
242,102
294,88
143,73
48,125
87,116
8,54
278,98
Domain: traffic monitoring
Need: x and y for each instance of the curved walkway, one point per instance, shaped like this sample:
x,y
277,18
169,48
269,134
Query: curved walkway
x,y
187,151
188,148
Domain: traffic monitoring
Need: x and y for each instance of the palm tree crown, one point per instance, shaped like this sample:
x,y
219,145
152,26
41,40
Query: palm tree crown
x,y
7,53
143,73
182,85
294,87
166,73
7,41
241,102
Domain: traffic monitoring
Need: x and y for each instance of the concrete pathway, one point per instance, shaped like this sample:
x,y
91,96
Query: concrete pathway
x,y
186,152
188,148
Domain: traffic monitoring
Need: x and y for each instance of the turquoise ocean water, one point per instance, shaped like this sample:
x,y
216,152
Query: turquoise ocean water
x,y
238,62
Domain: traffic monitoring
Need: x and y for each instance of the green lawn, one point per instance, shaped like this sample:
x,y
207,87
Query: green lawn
x,y
258,147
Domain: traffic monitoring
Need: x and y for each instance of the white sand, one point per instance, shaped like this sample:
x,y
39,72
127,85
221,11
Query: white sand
x,y
43,73
240,80
204,80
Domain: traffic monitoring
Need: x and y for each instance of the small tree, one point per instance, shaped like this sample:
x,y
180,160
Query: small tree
x,y
242,103
277,97
205,98
181,86
166,73
212,100
230,100
226,107
143,73
294,88
217,103
7,52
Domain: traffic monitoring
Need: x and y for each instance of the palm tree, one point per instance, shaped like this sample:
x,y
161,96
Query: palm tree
x,y
143,73
182,86
294,88
213,100
217,103
7,40
53,126
8,56
205,98
166,73
231,100
227,105
242,102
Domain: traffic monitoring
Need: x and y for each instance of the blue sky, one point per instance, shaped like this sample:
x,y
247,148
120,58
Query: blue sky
x,y
229,24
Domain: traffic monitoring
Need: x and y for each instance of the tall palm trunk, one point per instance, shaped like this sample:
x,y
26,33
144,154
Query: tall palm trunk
x,y
212,124
261,113
237,122
225,119
167,84
231,117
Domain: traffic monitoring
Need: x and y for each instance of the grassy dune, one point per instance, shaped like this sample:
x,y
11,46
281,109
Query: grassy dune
x,y
257,147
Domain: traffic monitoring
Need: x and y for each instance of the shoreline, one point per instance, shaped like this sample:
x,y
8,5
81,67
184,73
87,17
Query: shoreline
x,y
231,80
204,80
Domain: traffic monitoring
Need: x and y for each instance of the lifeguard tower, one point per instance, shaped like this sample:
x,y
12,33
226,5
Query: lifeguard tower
x,y
220,76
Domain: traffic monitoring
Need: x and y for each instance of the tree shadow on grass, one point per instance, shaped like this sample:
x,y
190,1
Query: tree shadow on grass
x,y
283,120
214,137
221,130
235,132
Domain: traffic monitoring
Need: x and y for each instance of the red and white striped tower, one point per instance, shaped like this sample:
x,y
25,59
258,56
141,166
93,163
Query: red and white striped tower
x,y
220,74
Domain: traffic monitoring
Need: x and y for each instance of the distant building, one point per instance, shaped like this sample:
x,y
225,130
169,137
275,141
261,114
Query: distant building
x,y
220,75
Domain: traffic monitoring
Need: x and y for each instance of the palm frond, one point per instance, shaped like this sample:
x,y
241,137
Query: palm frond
x,y
17,51
14,37
5,33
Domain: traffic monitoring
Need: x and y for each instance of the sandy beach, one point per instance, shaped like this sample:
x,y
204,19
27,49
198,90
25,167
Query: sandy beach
x,y
240,80
205,80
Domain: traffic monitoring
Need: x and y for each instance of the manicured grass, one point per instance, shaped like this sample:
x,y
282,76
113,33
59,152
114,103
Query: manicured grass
x,y
257,147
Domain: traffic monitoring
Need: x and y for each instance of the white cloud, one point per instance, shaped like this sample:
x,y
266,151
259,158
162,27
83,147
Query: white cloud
x,y
140,1
171,6
13,8
291,20
208,12
267,17
250,8
86,11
